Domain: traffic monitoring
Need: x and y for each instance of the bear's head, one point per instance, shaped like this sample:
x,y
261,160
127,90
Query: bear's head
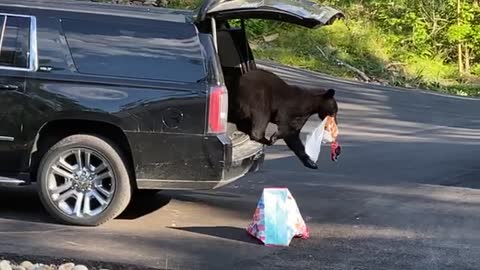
x,y
328,105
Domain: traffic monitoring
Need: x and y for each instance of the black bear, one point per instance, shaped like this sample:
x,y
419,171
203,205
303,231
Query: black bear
x,y
259,97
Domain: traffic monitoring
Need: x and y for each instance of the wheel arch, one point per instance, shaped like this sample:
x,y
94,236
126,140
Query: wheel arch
x,y
53,131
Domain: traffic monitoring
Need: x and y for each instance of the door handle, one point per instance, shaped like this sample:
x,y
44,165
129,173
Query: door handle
x,y
8,87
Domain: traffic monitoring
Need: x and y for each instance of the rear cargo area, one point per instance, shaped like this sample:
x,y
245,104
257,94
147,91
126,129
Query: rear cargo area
x,y
236,59
237,137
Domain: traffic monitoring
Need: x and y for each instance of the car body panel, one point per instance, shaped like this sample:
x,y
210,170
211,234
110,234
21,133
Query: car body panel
x,y
11,110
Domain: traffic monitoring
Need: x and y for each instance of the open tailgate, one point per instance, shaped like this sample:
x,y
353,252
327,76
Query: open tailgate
x,y
300,12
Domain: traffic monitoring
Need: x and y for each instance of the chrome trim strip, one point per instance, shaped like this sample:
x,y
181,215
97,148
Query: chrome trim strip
x,y
14,68
214,33
7,139
6,181
175,184
15,15
3,32
33,53
179,181
33,44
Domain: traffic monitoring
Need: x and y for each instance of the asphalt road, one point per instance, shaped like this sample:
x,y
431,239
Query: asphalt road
x,y
404,195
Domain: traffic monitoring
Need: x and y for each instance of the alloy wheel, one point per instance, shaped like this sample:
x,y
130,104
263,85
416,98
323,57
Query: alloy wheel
x,y
81,183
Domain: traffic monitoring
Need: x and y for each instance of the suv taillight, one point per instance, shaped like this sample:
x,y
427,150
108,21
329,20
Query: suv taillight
x,y
217,110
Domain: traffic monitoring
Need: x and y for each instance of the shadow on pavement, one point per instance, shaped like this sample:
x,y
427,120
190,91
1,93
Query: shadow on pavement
x,y
144,203
224,232
23,204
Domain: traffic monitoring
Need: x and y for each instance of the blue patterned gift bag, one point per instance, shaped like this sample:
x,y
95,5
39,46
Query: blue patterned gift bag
x,y
277,220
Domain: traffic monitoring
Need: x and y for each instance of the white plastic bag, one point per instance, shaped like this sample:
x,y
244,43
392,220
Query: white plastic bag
x,y
315,139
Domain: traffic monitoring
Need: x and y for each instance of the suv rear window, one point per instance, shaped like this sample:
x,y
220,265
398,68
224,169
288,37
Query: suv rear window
x,y
14,41
158,50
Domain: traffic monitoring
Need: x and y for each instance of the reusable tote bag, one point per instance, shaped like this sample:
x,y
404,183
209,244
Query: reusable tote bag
x,y
277,219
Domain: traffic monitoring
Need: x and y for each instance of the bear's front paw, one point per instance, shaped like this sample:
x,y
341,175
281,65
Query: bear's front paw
x,y
307,162
273,139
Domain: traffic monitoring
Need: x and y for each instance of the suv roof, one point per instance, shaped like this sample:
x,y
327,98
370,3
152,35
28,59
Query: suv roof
x,y
85,6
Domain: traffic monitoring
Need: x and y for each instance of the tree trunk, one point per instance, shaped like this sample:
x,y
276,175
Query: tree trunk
x,y
467,60
460,51
460,58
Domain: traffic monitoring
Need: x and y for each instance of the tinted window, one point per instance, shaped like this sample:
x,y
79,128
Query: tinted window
x,y
215,74
153,50
51,49
15,41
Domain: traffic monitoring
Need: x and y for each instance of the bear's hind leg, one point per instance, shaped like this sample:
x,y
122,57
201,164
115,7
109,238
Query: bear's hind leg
x,y
283,130
244,125
259,127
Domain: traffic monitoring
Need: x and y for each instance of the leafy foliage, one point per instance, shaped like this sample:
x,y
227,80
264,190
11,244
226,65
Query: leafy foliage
x,y
420,43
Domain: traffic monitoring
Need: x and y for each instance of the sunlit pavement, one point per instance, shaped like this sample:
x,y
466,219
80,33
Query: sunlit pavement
x,y
404,195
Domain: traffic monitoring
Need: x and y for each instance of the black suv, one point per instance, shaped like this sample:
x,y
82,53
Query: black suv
x,y
97,101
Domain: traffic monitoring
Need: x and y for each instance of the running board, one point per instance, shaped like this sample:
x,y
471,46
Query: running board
x,y
11,182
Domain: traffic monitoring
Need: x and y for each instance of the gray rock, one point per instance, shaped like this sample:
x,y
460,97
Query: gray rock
x,y
5,265
18,267
28,265
66,266
80,267
42,267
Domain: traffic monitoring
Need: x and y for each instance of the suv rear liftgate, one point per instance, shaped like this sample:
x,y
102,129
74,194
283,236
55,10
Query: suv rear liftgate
x,y
235,55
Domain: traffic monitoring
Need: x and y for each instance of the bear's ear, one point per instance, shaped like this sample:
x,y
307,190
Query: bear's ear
x,y
330,93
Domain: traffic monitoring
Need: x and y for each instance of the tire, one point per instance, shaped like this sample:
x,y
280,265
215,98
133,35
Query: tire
x,y
62,180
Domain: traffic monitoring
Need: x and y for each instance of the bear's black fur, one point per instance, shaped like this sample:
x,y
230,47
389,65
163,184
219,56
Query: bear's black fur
x,y
259,97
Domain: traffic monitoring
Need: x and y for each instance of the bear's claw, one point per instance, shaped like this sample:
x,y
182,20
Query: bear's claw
x,y
310,164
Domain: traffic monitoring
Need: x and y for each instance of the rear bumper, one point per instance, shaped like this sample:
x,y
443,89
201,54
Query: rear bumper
x,y
246,157
210,162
